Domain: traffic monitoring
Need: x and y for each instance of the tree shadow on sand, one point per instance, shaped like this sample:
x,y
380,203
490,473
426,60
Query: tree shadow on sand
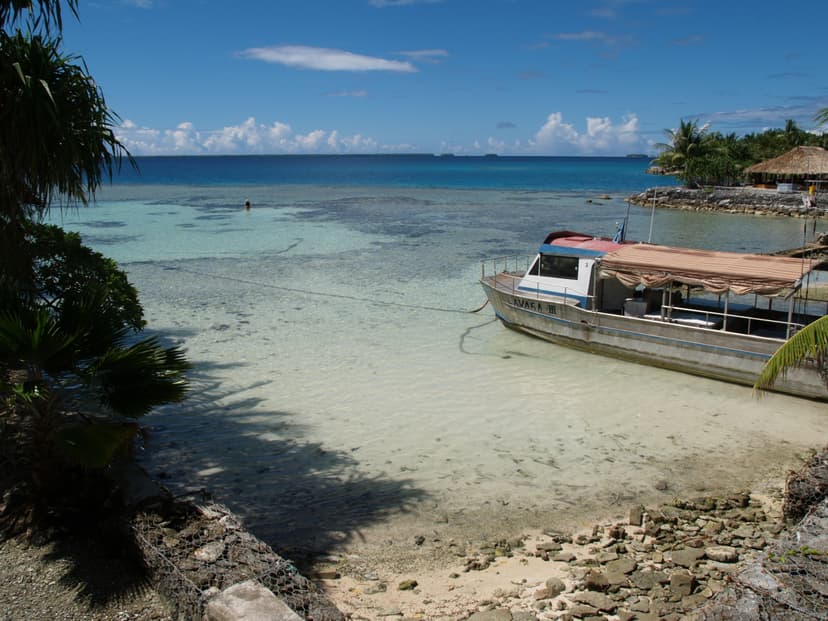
x,y
299,497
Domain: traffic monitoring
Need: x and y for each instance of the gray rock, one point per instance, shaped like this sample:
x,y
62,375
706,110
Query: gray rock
x,y
248,601
640,604
596,581
616,579
686,557
581,611
681,584
712,528
499,614
555,586
599,601
636,516
647,580
622,565
210,553
745,532
722,554
564,557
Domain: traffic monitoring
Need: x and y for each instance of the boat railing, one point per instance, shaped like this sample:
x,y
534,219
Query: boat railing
x,y
509,265
760,326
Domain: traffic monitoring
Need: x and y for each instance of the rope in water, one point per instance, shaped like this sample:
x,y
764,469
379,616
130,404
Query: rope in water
x,y
329,295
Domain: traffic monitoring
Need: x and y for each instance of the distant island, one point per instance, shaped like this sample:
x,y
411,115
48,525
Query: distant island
x,y
638,156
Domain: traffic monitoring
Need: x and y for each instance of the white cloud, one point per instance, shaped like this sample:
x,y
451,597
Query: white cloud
x,y
599,136
324,59
602,137
246,137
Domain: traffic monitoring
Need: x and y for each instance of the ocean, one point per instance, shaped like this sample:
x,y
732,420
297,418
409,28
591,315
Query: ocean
x,y
344,394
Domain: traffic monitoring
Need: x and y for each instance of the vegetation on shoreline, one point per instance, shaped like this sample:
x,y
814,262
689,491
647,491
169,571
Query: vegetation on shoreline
x,y
74,375
698,156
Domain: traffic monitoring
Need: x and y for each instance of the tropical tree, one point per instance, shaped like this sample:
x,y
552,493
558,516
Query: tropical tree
x,y
74,376
56,141
822,116
686,145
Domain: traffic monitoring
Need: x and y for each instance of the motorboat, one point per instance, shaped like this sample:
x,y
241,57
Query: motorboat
x,y
711,313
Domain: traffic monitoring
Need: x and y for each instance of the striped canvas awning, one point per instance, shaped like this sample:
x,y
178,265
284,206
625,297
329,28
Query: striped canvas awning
x,y
719,272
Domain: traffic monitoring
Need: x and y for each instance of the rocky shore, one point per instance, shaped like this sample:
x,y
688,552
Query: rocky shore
x,y
744,200
738,556
659,563
705,558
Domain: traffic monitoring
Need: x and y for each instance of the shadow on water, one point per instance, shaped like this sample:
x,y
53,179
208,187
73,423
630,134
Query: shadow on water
x,y
298,496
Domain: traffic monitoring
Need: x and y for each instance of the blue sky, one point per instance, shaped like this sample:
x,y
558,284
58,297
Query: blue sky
x,y
514,77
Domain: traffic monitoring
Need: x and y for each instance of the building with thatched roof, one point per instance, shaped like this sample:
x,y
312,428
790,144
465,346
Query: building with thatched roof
x,y
800,165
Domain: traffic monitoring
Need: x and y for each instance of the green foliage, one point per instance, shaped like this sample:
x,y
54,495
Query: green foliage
x,y
811,342
73,280
132,380
56,141
822,116
700,157
47,13
127,381
72,375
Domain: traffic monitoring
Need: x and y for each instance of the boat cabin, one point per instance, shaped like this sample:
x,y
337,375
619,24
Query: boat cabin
x,y
564,266
737,292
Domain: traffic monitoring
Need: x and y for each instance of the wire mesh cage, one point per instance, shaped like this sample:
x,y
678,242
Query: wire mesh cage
x,y
194,552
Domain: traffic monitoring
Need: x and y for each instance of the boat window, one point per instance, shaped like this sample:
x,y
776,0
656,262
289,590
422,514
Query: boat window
x,y
559,267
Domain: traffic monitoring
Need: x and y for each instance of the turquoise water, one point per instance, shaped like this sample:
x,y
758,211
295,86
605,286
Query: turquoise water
x,y
343,391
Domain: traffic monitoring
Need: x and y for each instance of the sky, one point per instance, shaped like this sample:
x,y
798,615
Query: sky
x,y
470,77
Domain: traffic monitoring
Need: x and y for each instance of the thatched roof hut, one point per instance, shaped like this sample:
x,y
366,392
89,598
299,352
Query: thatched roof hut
x,y
800,163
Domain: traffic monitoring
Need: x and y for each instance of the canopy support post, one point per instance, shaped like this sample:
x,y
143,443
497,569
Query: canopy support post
x,y
724,321
790,317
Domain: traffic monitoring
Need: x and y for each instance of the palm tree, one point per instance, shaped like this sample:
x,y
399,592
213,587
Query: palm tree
x,y
685,145
822,116
56,141
811,342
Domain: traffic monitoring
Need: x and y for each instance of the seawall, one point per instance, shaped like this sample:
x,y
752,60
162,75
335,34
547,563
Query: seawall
x,y
747,200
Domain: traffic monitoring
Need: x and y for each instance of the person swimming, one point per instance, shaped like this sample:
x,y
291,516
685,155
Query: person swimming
x,y
247,205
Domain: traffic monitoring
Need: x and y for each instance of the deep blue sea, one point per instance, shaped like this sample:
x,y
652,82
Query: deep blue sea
x,y
344,397
615,174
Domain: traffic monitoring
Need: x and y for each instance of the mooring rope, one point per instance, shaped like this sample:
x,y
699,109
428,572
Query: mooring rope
x,y
340,296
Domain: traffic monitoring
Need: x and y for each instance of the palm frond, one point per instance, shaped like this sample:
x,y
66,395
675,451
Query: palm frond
x,y
134,379
38,342
810,342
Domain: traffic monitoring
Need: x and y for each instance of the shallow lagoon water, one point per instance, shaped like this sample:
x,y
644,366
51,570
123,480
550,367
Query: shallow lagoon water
x,y
341,387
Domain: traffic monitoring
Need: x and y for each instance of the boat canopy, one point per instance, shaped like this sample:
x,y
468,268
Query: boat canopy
x,y
718,272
